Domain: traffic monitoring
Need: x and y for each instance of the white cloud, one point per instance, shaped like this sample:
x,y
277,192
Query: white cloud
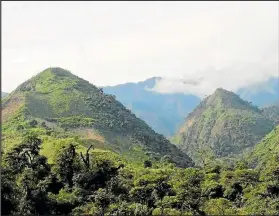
x,y
231,78
115,42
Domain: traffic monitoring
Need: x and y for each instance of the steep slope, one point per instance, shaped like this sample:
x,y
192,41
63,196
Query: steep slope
x,y
266,150
163,112
272,112
223,124
60,100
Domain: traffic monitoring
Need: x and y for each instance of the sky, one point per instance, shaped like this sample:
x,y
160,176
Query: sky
x,y
217,44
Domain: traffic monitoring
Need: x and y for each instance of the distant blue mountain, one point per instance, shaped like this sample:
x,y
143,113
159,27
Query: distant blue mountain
x,y
163,112
166,112
263,94
4,94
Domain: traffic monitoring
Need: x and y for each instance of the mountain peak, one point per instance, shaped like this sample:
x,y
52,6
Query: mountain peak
x,y
216,124
227,99
57,71
220,92
51,79
60,99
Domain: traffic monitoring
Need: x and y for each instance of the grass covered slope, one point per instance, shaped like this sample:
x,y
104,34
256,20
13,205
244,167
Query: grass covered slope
x,y
62,101
223,125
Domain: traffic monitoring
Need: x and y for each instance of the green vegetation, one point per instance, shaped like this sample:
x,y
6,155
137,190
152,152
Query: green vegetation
x,y
266,151
272,112
91,156
64,101
85,181
225,125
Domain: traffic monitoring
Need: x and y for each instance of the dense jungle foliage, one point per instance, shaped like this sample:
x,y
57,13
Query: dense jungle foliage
x,y
86,181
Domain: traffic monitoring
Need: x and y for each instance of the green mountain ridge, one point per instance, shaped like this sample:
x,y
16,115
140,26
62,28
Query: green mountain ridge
x,y
223,125
49,167
60,100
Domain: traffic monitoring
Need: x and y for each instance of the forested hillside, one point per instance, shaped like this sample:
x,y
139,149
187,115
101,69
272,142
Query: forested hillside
x,y
60,101
224,125
70,149
85,181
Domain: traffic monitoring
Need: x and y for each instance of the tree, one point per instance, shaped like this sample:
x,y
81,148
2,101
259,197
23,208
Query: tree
x,y
147,164
189,192
141,210
67,163
24,155
220,206
86,159
30,170
9,192
102,199
33,123
205,156
160,191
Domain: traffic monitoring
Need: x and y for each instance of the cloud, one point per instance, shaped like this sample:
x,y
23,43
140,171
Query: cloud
x,y
109,43
234,77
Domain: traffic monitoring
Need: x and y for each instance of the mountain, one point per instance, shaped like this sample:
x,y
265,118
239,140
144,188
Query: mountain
x,y
61,101
265,93
265,159
266,150
223,125
163,112
272,112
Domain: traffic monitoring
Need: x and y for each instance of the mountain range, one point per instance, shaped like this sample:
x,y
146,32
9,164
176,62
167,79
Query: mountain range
x,y
58,100
223,124
165,113
69,148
